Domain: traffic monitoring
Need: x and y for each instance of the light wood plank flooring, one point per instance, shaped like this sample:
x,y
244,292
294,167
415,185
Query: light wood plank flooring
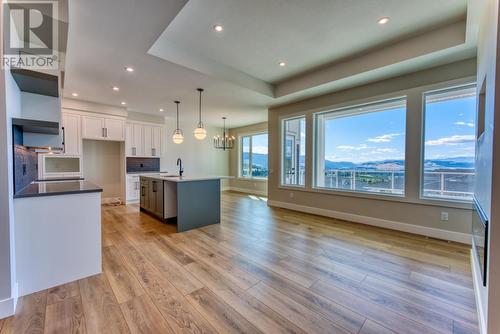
x,y
262,270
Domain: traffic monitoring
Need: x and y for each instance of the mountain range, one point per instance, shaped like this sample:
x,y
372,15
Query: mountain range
x,y
430,164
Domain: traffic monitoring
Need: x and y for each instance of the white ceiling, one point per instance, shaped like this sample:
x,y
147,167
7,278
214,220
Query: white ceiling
x,y
174,50
306,34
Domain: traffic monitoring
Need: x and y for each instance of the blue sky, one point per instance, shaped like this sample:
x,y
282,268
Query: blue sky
x,y
449,132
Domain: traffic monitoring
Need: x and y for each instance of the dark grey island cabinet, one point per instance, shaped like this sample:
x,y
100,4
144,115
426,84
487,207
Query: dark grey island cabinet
x,y
189,202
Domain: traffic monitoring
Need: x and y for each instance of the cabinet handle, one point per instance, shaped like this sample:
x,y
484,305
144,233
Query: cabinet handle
x,y
134,151
63,140
143,192
102,130
153,152
154,186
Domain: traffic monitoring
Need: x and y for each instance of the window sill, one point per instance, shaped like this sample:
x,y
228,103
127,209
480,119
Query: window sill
x,y
251,179
384,197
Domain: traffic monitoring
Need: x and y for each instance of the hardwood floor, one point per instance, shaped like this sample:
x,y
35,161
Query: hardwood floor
x,y
262,270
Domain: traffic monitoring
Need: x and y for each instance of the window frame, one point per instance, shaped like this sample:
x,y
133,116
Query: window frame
x,y
442,89
240,156
282,121
346,111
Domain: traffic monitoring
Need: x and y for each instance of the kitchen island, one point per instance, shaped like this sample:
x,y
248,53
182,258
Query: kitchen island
x,y
189,202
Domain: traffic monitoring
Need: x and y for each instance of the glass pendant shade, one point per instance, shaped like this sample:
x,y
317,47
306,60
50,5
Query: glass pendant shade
x,y
177,137
200,133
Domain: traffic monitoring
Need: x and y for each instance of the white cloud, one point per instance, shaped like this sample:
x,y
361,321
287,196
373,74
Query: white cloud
x,y
453,140
259,149
470,125
385,150
353,148
384,138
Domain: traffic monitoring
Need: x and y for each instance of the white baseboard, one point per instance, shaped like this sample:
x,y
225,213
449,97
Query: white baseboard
x,y
393,225
248,191
478,285
8,306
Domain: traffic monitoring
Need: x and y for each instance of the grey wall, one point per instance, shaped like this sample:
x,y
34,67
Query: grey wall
x,y
488,162
409,210
257,186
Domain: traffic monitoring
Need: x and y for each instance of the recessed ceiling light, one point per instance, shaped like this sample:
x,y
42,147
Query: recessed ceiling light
x,y
383,20
218,28
74,94
161,110
124,103
129,69
282,64
116,89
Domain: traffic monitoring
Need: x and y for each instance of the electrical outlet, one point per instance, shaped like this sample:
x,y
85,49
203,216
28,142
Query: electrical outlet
x,y
291,194
444,216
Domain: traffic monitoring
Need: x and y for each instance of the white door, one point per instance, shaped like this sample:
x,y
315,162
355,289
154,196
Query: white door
x,y
148,141
156,147
115,129
71,134
92,127
137,140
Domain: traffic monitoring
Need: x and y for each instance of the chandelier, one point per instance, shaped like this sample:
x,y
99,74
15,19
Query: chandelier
x,y
225,142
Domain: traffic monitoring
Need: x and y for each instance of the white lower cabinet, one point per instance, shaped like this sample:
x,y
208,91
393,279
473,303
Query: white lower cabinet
x,y
133,188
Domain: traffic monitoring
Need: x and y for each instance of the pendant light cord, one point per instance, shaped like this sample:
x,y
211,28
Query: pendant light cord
x,y
177,103
200,90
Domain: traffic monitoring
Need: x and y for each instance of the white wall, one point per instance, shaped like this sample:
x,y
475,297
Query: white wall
x,y
488,167
103,165
10,106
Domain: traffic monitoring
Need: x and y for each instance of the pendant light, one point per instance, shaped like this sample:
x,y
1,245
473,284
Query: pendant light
x,y
200,133
177,136
225,142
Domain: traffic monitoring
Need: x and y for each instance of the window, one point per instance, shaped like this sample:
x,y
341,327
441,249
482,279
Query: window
x,y
254,156
293,151
362,148
449,143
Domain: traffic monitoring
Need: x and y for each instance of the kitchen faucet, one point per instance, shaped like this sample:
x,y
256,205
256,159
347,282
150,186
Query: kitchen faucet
x,y
179,163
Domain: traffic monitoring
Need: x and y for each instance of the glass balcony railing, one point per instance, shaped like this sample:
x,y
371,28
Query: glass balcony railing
x,y
454,185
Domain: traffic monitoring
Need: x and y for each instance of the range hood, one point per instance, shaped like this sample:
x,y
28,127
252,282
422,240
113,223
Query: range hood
x,y
36,126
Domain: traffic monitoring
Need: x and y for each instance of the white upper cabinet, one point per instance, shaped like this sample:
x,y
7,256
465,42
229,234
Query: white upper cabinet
x,y
156,141
143,140
92,127
133,140
114,129
71,134
103,128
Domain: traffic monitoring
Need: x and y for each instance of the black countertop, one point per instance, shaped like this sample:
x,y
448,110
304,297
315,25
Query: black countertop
x,y
53,188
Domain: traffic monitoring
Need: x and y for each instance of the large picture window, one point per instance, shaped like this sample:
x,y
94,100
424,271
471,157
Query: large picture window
x,y
293,151
362,148
254,156
449,144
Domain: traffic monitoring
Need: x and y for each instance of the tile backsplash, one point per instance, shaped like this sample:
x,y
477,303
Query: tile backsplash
x,y
25,167
137,165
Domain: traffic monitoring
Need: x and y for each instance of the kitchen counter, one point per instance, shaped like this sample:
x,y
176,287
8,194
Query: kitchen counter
x,y
176,178
53,188
188,201
57,233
